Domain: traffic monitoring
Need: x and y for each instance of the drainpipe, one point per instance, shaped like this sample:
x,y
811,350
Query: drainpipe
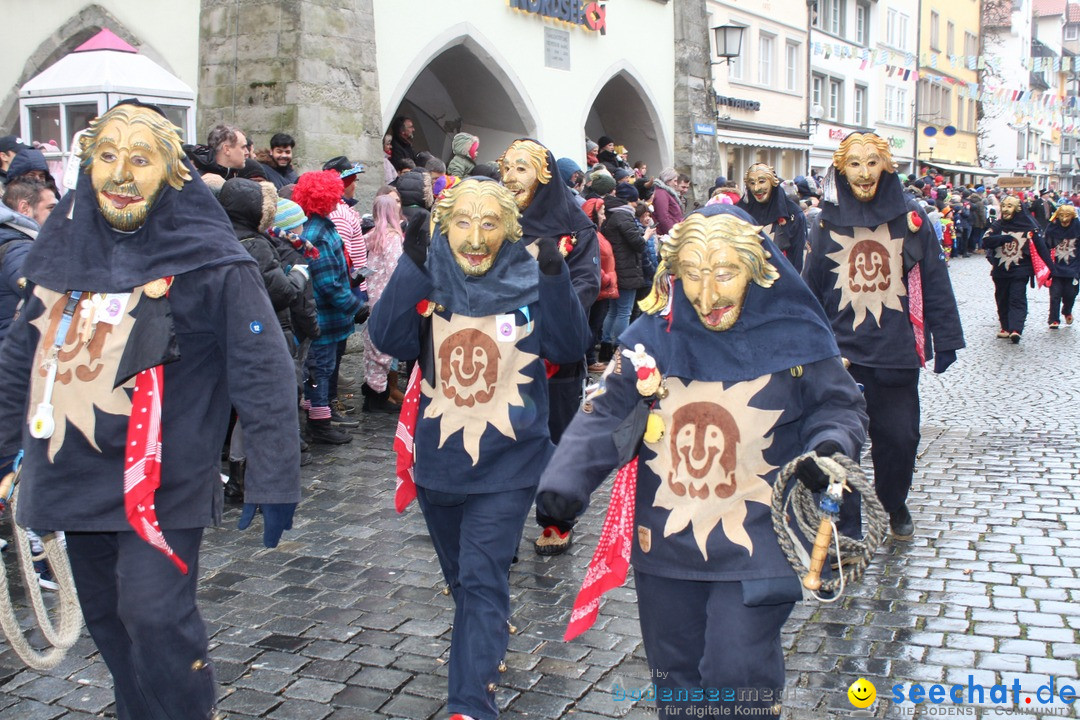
x,y
918,83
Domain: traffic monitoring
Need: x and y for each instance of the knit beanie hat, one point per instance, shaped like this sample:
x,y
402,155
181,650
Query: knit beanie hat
x,y
627,192
289,215
602,183
604,141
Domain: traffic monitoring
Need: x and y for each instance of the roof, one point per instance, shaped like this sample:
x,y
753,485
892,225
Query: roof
x,y
1072,13
105,63
1045,8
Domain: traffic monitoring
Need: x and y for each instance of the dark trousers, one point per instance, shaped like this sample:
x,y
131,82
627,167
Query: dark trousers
x,y
321,361
700,635
975,241
597,314
475,537
1011,297
339,352
1062,296
140,611
892,402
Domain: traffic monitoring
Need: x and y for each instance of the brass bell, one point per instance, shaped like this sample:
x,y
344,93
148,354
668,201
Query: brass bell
x,y
491,687
511,627
197,665
502,666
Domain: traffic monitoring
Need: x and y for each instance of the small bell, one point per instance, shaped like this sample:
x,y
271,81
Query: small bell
x,y
502,666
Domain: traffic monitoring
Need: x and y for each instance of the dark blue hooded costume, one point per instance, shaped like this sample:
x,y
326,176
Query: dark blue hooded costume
x,y
1065,269
1008,250
782,221
481,436
862,255
218,339
713,586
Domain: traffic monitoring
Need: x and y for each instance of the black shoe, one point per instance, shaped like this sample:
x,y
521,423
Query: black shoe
x,y
376,402
903,528
234,488
341,421
304,445
323,432
1015,337
606,351
305,458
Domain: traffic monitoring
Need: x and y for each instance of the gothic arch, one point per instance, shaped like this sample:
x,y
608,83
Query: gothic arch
x,y
69,35
624,108
460,82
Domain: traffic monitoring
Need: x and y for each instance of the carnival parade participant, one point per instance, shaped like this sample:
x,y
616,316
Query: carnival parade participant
x,y
548,209
730,373
480,315
782,220
144,321
1061,235
877,268
1012,243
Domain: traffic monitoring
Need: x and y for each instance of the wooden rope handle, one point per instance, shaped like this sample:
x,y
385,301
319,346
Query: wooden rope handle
x,y
812,580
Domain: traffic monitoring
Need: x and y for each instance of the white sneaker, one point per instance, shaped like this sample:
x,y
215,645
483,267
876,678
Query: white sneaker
x,y
3,544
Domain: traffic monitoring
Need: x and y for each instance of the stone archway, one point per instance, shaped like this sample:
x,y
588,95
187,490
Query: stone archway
x,y
624,110
459,83
69,35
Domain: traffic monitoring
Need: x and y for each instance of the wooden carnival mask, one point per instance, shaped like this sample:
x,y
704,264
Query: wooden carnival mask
x,y
862,158
477,217
524,169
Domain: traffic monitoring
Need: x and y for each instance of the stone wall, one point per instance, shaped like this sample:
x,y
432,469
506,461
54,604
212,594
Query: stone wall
x,y
306,67
695,155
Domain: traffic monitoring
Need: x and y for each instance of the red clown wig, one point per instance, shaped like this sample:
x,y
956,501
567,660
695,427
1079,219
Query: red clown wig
x,y
319,192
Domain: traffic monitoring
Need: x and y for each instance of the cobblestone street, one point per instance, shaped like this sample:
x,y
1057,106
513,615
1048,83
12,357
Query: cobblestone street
x,y
347,618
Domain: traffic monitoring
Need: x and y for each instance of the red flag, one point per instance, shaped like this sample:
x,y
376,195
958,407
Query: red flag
x,y
405,489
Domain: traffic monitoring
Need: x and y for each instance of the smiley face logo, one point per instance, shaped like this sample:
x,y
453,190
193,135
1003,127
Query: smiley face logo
x,y
862,693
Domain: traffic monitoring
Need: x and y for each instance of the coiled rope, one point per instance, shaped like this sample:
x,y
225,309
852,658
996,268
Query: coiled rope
x,y
69,617
852,556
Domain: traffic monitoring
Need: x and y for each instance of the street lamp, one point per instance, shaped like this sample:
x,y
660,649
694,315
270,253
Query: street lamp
x,y
728,41
816,113
931,143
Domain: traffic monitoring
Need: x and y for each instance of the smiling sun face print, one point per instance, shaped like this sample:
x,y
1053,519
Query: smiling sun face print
x,y
711,462
869,273
477,379
1011,252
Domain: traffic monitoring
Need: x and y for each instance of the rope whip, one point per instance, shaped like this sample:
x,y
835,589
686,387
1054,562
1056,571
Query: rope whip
x,y
816,518
60,637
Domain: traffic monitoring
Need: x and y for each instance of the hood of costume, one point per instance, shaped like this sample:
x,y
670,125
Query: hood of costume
x,y
77,249
552,212
845,210
778,328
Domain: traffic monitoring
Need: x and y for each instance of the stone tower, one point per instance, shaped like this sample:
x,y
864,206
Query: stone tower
x,y
298,66
696,155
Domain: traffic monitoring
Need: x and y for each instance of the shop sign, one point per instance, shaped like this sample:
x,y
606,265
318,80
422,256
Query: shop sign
x,y
1007,181
738,103
836,134
587,15
704,129
556,49
896,143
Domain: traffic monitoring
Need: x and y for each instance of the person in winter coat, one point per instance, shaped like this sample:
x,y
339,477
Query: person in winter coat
x,y
465,147
27,204
414,187
627,243
979,219
1062,234
609,290
667,205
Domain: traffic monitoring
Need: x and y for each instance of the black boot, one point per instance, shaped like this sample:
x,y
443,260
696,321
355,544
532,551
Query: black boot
x,y
606,351
234,488
322,431
379,402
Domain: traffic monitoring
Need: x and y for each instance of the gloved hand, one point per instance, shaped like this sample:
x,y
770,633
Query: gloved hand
x,y
277,518
807,471
417,238
558,507
548,256
943,360
362,314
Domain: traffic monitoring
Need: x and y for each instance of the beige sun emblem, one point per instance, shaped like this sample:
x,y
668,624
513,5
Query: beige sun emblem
x,y
1065,251
1012,252
477,378
86,367
711,461
869,273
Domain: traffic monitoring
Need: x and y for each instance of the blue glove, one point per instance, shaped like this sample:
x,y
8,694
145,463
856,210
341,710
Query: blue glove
x,y
943,360
277,518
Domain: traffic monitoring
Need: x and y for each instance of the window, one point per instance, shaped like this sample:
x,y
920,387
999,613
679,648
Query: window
x,y
971,44
791,61
973,119
950,31
946,106
45,124
835,17
935,30
960,116
1072,31
862,24
896,29
818,90
860,106
835,108
1021,144
896,104
1044,151
765,60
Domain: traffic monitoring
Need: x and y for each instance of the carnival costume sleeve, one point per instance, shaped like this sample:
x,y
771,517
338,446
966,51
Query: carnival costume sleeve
x,y
564,328
16,356
394,325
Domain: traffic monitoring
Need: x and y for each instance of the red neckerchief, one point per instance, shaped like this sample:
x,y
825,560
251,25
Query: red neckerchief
x,y
1042,273
142,462
405,490
611,561
915,311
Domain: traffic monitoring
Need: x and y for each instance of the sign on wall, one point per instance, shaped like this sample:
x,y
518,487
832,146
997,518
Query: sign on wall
x,y
556,49
582,13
